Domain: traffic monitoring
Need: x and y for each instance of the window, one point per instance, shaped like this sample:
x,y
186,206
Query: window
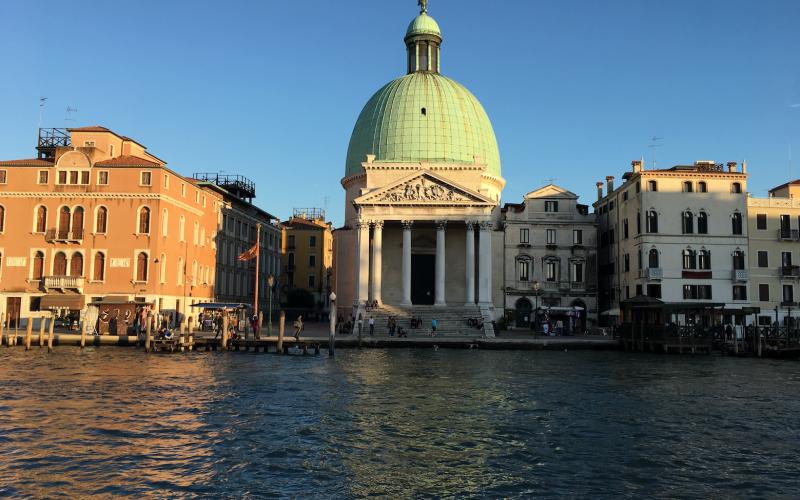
x,y
196,233
85,177
312,261
77,223
625,196
736,223
786,259
524,266
761,222
202,236
166,181
577,272
183,190
101,221
99,266
639,223
788,293
76,265
60,264
638,186
687,187
63,222
312,281
697,292
2,218
41,219
786,227
625,229
652,221
62,177
551,237
736,188
738,260
181,271
551,271
44,176
763,258
687,222
577,236
102,177
88,144
312,241
524,235
141,267
652,259
551,206
702,223
639,259
702,187
763,293
111,150
704,260
162,269
689,259
165,223
739,292
654,290
146,178
73,177
611,205
38,266
181,229
652,186
197,196
3,176
144,220
638,289
626,259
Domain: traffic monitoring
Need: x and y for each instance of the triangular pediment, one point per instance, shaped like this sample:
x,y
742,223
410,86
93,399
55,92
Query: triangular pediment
x,y
552,191
424,188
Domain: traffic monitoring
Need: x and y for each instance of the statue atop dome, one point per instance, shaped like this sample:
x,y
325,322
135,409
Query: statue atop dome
x,y
423,6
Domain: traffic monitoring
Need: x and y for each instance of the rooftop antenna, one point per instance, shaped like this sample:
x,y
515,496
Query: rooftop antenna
x,y
42,102
68,116
655,142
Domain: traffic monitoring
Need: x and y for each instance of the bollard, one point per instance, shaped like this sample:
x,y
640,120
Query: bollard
x,y
50,334
225,330
191,334
2,326
28,332
41,331
183,334
148,329
281,325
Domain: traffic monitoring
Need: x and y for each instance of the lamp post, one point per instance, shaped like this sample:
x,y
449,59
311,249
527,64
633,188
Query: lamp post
x,y
536,310
332,333
270,283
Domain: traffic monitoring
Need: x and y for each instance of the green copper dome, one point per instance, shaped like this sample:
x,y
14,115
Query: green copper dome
x,y
423,24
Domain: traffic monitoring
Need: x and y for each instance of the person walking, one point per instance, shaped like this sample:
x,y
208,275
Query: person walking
x,y
371,326
434,325
298,327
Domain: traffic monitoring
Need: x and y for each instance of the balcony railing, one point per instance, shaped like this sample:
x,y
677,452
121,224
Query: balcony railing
x,y
652,273
740,275
788,234
790,272
60,235
63,282
550,285
578,285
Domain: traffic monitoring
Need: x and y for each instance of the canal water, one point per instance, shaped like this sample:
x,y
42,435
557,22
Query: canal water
x,y
397,423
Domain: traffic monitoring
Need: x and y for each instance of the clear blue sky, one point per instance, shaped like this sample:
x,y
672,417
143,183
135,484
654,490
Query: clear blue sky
x,y
269,89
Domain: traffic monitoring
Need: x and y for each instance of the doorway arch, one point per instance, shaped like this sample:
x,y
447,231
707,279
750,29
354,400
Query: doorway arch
x,y
524,313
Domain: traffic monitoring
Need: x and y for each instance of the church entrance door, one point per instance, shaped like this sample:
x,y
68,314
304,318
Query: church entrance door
x,y
423,275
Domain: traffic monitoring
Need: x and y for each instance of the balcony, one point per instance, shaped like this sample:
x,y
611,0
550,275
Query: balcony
x,y
57,235
550,286
740,275
788,303
63,283
789,272
577,286
788,234
652,273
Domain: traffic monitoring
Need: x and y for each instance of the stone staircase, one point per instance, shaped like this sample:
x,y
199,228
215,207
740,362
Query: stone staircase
x,y
451,320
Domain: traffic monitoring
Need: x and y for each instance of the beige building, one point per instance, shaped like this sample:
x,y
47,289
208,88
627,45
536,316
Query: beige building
x,y
774,229
95,215
308,254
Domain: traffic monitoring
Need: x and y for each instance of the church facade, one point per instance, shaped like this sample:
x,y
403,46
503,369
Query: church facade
x,y
422,187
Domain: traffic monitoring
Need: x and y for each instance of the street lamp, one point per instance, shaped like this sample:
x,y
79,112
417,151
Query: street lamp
x,y
536,311
270,283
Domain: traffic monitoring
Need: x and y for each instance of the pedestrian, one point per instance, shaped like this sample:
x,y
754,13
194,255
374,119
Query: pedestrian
x,y
371,326
434,324
255,324
298,327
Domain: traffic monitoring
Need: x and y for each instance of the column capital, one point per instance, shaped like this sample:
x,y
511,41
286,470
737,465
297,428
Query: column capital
x,y
441,225
485,225
377,224
407,224
361,224
470,225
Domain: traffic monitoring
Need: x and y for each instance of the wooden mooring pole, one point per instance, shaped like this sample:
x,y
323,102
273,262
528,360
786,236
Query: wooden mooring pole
x,y
281,325
225,330
2,329
28,332
41,331
191,334
182,339
332,333
51,325
148,329
83,336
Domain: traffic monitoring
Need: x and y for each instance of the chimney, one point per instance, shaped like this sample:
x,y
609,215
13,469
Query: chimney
x,y
610,183
744,167
637,166
731,166
599,191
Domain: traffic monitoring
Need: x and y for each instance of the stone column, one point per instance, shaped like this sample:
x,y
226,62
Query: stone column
x,y
362,262
377,260
485,264
440,262
407,262
470,263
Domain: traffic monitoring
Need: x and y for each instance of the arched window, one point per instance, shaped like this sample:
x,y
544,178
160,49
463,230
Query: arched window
x,y
194,273
704,261
523,268
689,259
688,222
2,218
687,187
736,187
196,233
165,221
738,260
702,223
77,224
41,219
652,221
180,270
38,266
652,186
101,221
736,223
141,267
76,265
702,187
99,266
162,268
652,259
63,223
144,221
60,264
182,229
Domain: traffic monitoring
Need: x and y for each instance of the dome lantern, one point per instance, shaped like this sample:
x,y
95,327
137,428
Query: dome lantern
x,y
423,39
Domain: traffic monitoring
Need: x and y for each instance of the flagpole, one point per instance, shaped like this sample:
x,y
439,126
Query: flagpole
x,y
258,259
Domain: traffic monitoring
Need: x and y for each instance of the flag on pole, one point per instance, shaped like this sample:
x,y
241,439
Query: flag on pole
x,y
249,254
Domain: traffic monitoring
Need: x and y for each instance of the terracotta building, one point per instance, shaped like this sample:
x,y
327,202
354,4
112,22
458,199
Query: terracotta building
x,y
95,216
308,253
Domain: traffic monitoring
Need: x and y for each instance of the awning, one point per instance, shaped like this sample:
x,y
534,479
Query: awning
x,y
71,301
610,312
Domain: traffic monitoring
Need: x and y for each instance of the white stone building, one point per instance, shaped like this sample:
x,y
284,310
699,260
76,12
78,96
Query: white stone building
x,y
550,266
